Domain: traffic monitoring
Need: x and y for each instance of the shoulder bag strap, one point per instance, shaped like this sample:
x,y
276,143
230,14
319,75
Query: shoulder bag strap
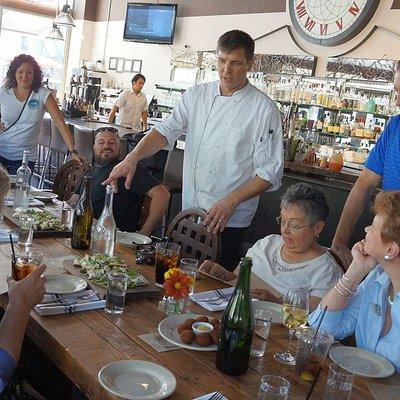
x,y
19,116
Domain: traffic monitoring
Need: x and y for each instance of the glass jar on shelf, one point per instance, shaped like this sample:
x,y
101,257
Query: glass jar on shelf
x,y
336,161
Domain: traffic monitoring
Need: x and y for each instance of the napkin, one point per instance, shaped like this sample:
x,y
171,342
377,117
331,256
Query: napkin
x,y
5,236
53,304
205,299
208,396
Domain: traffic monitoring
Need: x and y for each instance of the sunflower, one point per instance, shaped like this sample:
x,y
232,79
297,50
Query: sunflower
x,y
177,284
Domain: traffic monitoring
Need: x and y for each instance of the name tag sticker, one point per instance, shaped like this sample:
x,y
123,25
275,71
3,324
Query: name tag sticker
x,y
33,104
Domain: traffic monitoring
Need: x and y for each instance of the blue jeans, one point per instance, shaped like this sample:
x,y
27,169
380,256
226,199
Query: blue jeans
x,y
12,165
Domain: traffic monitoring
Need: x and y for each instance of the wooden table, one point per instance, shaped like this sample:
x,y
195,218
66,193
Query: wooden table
x,y
81,344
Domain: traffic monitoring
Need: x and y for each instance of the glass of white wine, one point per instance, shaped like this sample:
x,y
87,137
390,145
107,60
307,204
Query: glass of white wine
x,y
295,313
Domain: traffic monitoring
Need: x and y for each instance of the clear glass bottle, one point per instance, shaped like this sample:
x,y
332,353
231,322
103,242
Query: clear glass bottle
x,y
23,184
104,231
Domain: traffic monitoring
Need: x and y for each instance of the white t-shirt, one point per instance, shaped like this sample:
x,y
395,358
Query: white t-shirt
x,y
131,106
229,140
25,133
316,276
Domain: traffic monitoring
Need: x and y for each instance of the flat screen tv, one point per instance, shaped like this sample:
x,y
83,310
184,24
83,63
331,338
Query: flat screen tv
x,y
150,22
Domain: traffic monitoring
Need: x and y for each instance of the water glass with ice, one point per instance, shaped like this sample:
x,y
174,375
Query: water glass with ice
x,y
117,283
189,267
339,383
262,325
25,231
273,388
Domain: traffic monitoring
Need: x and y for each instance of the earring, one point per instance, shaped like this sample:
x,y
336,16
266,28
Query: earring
x,y
386,258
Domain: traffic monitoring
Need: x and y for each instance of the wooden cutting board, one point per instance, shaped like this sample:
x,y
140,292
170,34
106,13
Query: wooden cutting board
x,y
150,291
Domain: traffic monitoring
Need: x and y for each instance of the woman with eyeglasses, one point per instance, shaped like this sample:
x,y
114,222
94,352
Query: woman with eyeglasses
x,y
293,259
23,102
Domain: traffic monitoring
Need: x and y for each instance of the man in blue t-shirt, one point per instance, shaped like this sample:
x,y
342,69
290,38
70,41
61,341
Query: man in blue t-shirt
x,y
381,169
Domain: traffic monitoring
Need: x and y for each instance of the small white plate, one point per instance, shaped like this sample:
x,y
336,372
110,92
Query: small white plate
x,y
137,380
43,195
64,284
274,308
132,238
361,362
167,329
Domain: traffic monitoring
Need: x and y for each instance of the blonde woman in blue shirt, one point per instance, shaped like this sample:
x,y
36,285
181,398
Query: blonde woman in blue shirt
x,y
366,300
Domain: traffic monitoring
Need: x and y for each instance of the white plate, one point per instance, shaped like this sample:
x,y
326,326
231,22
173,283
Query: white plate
x,y
274,308
167,329
137,380
43,195
132,238
64,284
361,362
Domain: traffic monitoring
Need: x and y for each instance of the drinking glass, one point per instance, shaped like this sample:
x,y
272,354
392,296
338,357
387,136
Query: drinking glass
x,y
273,388
262,325
189,267
311,351
295,314
25,231
24,263
339,383
117,283
167,255
67,212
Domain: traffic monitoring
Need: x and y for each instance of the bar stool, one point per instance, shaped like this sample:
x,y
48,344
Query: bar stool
x,y
84,141
43,142
57,145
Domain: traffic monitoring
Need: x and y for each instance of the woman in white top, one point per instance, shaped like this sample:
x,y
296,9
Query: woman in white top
x,y
293,259
20,126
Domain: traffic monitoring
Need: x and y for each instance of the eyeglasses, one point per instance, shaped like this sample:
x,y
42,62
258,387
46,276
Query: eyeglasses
x,y
106,128
292,228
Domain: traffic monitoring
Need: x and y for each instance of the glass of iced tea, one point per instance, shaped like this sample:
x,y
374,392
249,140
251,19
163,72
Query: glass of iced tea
x,y
311,351
167,256
24,263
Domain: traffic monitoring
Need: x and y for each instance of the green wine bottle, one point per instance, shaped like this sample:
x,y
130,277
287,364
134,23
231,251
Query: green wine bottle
x,y
83,219
237,326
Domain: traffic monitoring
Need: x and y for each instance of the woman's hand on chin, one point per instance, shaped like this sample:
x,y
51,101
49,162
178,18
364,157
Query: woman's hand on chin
x,y
362,262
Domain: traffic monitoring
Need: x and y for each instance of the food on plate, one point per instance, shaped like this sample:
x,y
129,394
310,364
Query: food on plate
x,y
189,322
215,335
203,339
202,318
98,266
187,336
182,327
44,220
214,322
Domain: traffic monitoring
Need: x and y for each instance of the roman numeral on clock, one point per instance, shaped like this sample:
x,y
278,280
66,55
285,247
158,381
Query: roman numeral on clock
x,y
309,24
354,9
339,23
323,29
301,9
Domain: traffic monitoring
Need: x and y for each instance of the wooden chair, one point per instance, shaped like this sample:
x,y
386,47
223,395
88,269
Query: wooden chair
x,y
187,230
68,179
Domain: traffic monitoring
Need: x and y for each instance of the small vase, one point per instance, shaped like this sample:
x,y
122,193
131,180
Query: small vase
x,y
173,306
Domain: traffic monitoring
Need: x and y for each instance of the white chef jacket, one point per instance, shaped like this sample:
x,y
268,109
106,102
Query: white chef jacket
x,y
131,106
229,140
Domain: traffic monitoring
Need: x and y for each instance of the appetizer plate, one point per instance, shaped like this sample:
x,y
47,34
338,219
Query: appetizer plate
x,y
167,329
274,308
132,238
43,195
137,380
64,284
361,362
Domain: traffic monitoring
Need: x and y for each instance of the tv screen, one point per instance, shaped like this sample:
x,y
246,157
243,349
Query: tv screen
x,y
150,22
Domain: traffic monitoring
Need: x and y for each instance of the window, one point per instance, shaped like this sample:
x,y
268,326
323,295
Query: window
x,y
22,32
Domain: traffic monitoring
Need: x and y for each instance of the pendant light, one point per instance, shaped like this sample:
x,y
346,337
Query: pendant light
x,y
55,33
65,18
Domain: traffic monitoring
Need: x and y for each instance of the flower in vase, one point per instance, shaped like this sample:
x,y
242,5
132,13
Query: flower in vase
x,y
177,284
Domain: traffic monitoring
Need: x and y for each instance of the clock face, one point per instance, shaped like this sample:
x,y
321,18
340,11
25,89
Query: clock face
x,y
330,22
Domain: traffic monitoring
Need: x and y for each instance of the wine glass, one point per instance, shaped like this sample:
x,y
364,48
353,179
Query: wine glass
x,y
295,314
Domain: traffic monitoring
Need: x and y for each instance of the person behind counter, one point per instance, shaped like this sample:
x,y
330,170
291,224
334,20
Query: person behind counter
x,y
233,150
126,203
382,168
23,101
366,300
132,106
293,259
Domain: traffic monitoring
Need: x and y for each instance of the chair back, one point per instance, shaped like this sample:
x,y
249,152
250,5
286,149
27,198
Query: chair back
x,y
84,141
187,230
68,179
57,142
45,132
173,170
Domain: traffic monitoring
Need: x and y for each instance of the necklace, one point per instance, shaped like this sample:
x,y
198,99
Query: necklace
x,y
282,268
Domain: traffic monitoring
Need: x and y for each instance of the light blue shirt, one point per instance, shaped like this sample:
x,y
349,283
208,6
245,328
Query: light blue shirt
x,y
229,140
365,315
7,366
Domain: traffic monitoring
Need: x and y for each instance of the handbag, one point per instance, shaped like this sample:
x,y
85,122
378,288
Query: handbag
x,y
19,116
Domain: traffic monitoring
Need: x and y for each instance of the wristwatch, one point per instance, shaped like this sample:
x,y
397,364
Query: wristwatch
x,y
73,151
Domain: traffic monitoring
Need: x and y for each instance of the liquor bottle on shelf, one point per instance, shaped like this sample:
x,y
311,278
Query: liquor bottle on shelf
x,y
83,219
23,184
237,326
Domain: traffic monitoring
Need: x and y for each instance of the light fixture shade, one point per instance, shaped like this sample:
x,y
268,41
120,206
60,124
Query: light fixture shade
x,y
64,18
55,33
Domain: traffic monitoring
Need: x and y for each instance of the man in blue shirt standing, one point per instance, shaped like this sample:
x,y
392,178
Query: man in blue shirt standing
x,y
381,169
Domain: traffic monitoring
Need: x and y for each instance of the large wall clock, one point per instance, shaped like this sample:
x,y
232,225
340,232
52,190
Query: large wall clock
x,y
330,22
